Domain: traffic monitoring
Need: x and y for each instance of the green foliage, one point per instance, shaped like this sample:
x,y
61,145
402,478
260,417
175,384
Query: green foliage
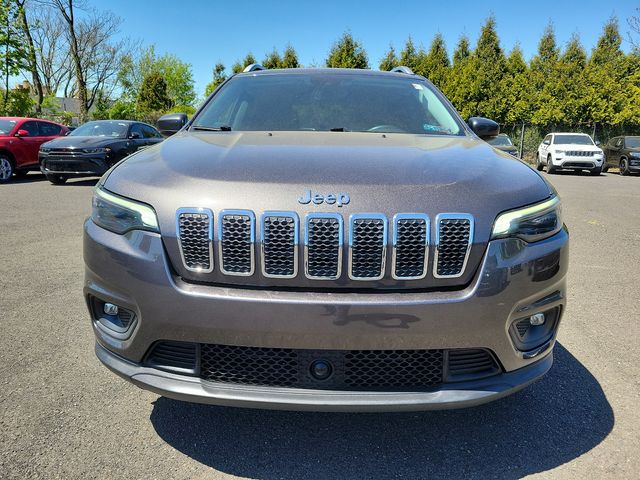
x,y
14,56
153,95
123,109
290,58
101,107
18,102
389,61
462,51
240,66
219,76
435,65
347,53
412,57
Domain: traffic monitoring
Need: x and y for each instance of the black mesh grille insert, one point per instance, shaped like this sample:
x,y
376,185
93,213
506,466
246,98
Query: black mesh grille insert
x,y
194,238
453,244
323,247
237,245
279,245
351,369
367,247
410,248
178,356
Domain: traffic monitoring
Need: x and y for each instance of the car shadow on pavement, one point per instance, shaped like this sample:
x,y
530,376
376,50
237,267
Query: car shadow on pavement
x,y
553,421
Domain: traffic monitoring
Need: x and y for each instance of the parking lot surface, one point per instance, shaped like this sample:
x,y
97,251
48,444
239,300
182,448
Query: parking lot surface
x,y
63,415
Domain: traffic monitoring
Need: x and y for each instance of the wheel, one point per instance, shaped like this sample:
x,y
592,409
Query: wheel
x,y
605,168
539,165
550,168
57,179
624,167
6,169
595,172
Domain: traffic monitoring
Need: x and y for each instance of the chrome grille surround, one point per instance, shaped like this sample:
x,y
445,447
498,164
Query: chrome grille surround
x,y
399,238
443,220
205,248
279,245
237,246
321,254
367,246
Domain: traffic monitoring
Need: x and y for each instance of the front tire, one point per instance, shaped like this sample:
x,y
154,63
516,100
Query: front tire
x,y
6,169
550,168
624,167
539,165
57,179
595,172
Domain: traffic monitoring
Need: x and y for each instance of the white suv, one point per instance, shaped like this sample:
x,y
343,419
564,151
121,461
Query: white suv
x,y
569,151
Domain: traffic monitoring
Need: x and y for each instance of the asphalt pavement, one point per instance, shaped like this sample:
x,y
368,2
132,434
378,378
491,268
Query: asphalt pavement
x,y
64,415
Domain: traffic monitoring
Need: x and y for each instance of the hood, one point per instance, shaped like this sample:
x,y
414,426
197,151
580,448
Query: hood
x,y
387,174
577,148
82,142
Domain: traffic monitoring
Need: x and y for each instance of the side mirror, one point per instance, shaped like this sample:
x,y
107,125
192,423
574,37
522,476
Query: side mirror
x,y
171,123
22,133
598,143
135,136
484,127
546,142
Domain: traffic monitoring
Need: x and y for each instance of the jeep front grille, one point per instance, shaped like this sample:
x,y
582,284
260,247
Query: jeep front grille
x,y
367,246
237,236
454,234
195,238
408,237
578,153
323,246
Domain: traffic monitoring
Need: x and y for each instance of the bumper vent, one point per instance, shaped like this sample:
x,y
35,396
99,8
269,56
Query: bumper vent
x,y
367,247
453,244
410,246
280,245
467,364
174,356
323,246
195,230
237,235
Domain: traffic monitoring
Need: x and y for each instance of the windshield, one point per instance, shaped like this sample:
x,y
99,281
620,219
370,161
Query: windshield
x,y
632,142
101,129
572,140
328,102
500,141
6,126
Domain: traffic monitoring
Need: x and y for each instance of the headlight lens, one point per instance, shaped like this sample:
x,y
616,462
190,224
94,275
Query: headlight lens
x,y
121,215
532,223
561,152
634,154
96,150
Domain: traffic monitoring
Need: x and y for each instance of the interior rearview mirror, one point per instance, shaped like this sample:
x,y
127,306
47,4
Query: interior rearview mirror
x,y
171,123
484,127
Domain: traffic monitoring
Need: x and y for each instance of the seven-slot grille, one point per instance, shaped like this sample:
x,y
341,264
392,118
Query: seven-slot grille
x,y
579,153
195,230
454,235
280,236
236,236
367,246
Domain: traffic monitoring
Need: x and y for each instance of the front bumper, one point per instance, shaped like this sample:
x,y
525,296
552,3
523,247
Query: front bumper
x,y
579,163
515,280
75,166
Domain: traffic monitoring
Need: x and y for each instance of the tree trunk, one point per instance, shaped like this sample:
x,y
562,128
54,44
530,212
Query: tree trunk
x,y
37,83
81,86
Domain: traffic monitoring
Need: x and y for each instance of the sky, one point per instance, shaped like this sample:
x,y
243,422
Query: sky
x,y
203,33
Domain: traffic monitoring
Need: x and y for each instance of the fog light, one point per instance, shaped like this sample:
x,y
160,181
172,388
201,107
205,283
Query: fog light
x,y
110,309
321,370
537,319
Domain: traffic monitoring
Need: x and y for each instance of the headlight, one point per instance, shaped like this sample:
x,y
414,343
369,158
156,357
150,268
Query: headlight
x,y
96,150
532,223
120,215
561,152
634,154
44,149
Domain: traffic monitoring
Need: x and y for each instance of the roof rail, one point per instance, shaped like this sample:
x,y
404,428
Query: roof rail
x,y
402,69
253,67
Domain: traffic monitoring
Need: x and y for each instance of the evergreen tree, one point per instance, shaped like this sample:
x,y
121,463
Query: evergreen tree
x,y
456,87
347,53
462,51
572,88
240,66
516,88
545,83
412,57
153,96
290,58
389,61
272,60
219,76
436,65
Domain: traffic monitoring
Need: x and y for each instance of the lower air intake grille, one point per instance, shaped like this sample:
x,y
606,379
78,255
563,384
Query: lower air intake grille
x,y
351,369
173,356
279,245
236,238
194,235
323,247
454,236
368,247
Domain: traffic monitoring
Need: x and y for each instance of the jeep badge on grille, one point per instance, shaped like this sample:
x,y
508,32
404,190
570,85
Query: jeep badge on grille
x,y
339,199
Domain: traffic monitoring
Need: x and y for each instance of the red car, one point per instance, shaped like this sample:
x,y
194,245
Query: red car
x,y
20,140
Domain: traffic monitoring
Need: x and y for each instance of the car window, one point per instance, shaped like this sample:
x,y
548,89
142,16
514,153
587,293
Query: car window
x,y
102,128
49,129
32,128
619,143
149,132
572,139
331,101
501,140
632,142
6,126
136,128
547,139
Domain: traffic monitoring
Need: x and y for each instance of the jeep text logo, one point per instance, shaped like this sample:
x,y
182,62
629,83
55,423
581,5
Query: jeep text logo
x,y
339,199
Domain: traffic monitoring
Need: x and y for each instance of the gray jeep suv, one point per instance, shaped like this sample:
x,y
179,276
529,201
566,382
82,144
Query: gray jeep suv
x,y
326,240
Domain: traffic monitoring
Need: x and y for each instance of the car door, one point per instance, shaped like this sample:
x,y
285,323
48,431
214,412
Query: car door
x,y
151,135
544,148
25,147
49,131
136,138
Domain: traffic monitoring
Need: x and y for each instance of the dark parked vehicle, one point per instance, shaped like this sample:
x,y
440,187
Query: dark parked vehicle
x,y
504,143
91,149
20,139
326,239
623,153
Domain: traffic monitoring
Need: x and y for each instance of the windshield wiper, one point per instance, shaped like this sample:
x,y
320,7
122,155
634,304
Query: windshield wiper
x,y
338,129
221,128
